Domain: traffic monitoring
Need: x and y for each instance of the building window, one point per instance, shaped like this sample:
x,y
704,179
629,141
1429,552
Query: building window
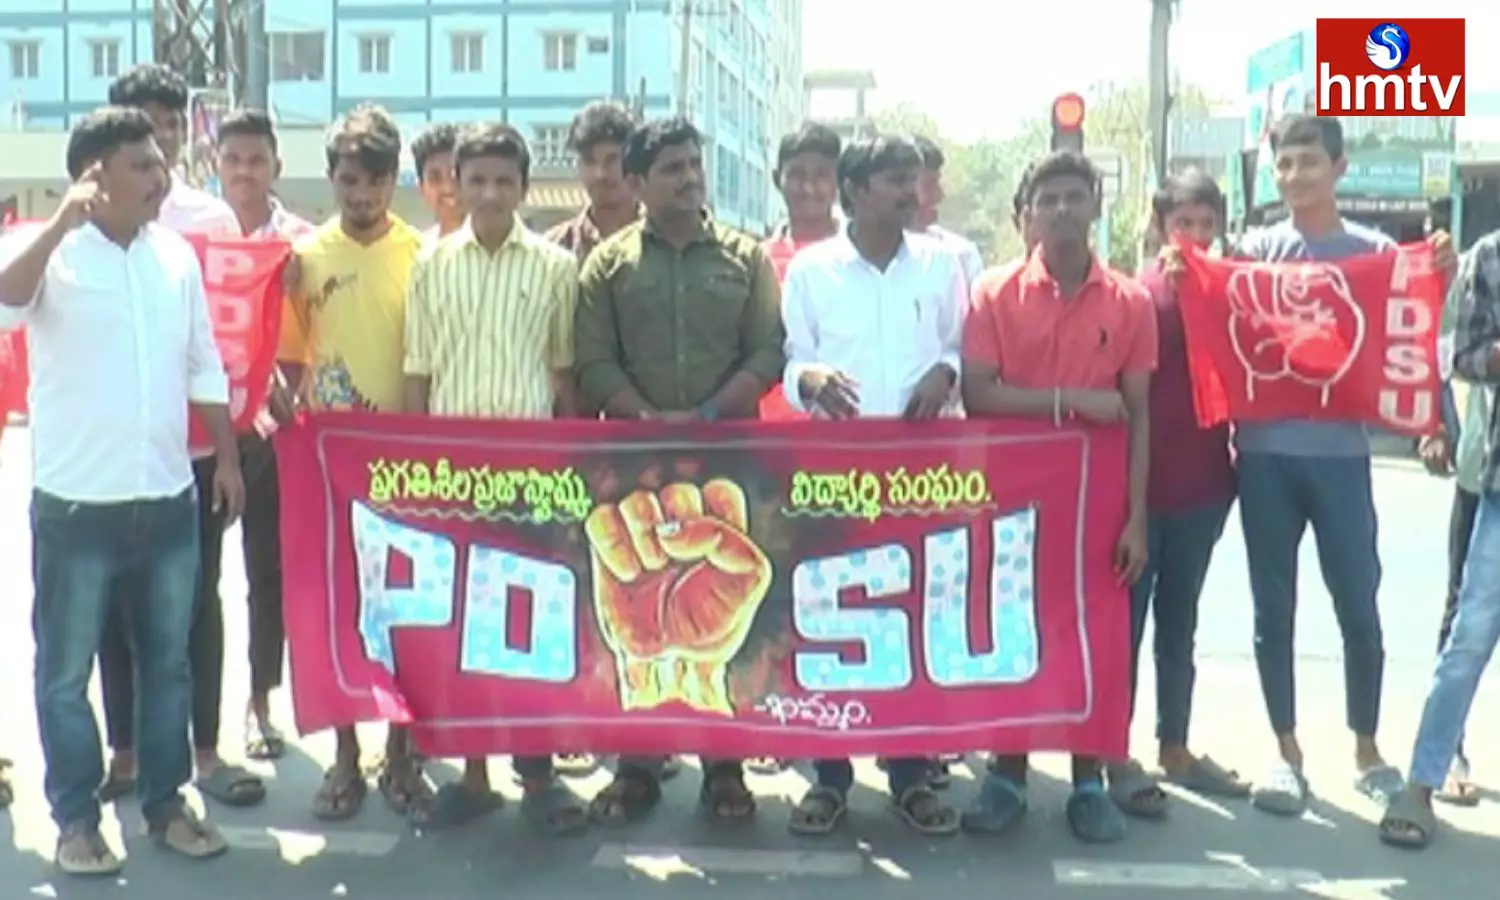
x,y
375,54
549,144
105,54
25,60
297,55
468,53
598,45
560,51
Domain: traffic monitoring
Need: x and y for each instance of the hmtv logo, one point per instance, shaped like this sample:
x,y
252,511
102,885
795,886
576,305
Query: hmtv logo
x,y
1390,67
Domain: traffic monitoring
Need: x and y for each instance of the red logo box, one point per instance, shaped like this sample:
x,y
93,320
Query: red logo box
x,y
1367,69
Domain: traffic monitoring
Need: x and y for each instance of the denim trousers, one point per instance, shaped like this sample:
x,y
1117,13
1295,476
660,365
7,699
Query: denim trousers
x,y
901,774
1476,629
1280,496
205,646
1460,527
1181,546
80,554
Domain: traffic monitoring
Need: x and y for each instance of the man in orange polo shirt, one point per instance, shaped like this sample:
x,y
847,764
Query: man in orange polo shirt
x,y
1063,337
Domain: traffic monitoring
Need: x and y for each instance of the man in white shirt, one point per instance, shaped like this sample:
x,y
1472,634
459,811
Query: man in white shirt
x,y
930,196
162,95
120,343
874,328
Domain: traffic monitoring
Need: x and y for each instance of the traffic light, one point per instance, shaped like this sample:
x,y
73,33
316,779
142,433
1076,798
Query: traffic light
x,y
1067,123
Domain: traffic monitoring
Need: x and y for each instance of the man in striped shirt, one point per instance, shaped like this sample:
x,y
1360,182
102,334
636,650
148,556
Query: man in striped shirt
x,y
489,334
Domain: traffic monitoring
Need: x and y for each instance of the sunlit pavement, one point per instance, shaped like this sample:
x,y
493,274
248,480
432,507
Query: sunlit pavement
x,y
1203,850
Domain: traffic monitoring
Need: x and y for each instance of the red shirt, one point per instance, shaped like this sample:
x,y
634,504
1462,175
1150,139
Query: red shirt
x,y
1190,466
773,405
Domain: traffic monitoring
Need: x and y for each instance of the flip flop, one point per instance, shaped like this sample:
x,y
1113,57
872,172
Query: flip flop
x,y
628,798
1136,792
1381,784
1208,778
185,834
454,805
767,765
263,741
555,811
818,813
1459,788
576,765
1408,823
232,786
724,790
406,792
1093,816
1000,806
940,819
81,850
1282,791
341,795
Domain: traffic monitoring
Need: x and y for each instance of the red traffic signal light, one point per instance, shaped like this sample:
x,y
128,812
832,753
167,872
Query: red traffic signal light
x,y
1067,123
1067,113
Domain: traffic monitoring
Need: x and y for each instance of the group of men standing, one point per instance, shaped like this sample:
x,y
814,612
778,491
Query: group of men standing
x,y
645,307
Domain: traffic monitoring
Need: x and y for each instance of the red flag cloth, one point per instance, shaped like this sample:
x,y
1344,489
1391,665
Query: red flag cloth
x,y
242,278
1347,340
829,588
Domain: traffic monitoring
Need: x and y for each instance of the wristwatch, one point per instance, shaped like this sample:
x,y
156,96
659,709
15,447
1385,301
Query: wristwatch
x,y
709,412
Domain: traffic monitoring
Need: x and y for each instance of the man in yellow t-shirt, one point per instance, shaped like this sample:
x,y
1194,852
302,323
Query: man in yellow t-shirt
x,y
342,348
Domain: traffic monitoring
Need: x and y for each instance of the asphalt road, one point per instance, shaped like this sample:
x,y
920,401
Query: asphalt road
x,y
1204,850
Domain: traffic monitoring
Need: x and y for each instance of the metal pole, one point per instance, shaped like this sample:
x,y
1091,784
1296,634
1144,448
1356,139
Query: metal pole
x,y
1160,84
684,76
257,58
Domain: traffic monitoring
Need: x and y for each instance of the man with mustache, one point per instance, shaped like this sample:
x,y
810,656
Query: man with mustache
x,y
679,320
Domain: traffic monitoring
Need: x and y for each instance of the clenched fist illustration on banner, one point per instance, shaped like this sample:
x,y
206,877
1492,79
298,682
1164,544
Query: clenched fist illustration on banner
x,y
1294,321
677,582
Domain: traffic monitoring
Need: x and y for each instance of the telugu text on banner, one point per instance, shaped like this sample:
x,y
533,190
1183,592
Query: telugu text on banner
x,y
1352,340
798,590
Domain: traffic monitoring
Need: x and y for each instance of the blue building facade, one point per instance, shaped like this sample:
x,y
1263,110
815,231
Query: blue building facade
x,y
532,63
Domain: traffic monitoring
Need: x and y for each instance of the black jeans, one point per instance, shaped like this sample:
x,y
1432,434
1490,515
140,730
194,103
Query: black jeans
x,y
1181,545
205,641
1460,527
260,536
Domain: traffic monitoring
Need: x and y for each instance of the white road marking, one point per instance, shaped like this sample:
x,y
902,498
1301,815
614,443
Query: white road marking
x,y
300,845
662,861
1200,876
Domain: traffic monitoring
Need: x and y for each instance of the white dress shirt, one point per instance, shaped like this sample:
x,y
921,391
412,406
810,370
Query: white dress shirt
x,y
120,343
968,251
188,210
885,330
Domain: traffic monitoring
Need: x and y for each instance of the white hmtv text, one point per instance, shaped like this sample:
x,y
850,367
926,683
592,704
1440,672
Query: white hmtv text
x,y
1412,93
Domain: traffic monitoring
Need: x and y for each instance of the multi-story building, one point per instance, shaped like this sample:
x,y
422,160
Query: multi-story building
x,y
532,63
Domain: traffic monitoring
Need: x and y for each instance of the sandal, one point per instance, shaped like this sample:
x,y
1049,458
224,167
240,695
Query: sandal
x,y
628,798
724,796
404,786
1000,806
767,765
341,795
115,787
1459,788
554,810
1408,822
263,741
1208,778
1093,815
1382,783
938,776
1282,791
576,765
183,832
819,812
922,810
232,786
454,805
7,790
81,850
1135,791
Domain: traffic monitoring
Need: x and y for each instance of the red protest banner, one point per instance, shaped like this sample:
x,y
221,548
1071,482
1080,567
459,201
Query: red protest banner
x,y
1354,339
800,590
242,277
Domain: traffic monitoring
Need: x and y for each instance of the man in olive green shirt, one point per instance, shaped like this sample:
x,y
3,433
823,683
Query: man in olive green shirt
x,y
679,319
679,316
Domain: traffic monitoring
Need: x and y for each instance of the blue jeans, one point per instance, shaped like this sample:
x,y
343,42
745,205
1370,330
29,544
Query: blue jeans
x,y
1279,497
78,552
1476,629
1181,546
901,774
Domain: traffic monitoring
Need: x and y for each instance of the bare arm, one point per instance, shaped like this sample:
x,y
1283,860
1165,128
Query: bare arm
x,y
986,395
1135,388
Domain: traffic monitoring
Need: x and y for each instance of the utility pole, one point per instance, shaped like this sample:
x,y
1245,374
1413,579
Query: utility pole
x,y
1160,84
